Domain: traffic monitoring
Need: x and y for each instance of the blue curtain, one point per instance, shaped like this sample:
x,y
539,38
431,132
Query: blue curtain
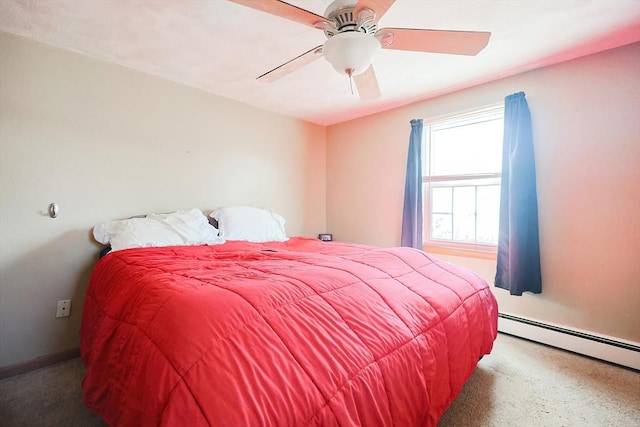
x,y
412,211
518,268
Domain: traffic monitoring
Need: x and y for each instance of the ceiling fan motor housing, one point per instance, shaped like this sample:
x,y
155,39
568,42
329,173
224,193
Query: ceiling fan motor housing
x,y
341,13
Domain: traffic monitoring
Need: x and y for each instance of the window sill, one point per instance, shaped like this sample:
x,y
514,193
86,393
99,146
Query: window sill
x,y
461,252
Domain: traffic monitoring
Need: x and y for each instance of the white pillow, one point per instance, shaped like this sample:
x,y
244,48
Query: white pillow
x,y
192,226
135,233
178,228
250,224
103,232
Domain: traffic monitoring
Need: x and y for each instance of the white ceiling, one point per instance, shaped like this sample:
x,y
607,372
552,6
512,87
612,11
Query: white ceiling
x,y
222,47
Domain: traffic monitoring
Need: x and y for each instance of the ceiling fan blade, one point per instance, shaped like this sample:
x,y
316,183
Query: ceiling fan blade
x,y
436,41
367,84
291,66
287,11
380,7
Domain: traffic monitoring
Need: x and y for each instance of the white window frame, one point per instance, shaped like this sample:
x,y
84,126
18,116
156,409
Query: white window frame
x,y
429,182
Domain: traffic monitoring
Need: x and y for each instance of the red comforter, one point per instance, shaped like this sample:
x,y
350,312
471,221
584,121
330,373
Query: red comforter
x,y
302,333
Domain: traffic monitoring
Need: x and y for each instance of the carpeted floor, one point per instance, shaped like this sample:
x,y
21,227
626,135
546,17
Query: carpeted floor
x,y
526,384
520,384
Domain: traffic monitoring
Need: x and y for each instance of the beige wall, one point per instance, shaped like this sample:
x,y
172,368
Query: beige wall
x,y
586,128
107,142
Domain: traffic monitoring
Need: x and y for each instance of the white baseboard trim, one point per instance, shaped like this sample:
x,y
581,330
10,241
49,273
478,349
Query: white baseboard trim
x,y
614,350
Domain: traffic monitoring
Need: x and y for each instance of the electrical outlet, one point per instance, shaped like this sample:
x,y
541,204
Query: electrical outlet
x,y
64,308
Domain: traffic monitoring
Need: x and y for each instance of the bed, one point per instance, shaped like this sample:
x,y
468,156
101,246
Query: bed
x,y
297,332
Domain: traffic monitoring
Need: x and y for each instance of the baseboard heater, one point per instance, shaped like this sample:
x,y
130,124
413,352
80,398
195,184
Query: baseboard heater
x,y
625,353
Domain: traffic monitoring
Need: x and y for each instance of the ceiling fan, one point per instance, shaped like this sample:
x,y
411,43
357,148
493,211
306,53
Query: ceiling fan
x,y
353,39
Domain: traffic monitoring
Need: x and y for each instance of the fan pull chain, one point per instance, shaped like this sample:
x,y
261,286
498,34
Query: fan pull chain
x,y
350,74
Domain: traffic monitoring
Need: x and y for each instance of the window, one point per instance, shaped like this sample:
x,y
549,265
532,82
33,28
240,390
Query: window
x,y
462,162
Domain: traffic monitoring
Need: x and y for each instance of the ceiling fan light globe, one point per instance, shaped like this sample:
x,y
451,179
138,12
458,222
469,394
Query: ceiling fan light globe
x,y
351,52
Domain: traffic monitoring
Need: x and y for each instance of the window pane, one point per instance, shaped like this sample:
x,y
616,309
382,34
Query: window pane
x,y
470,149
462,163
488,213
464,214
441,226
441,200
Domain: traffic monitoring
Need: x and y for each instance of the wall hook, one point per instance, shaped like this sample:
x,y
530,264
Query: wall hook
x,y
53,210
